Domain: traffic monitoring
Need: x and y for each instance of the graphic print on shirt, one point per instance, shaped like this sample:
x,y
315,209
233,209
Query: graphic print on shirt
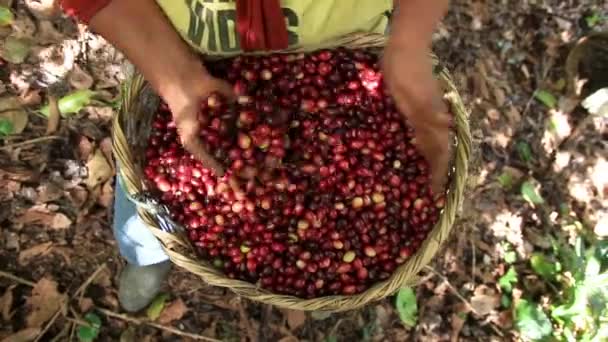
x,y
215,29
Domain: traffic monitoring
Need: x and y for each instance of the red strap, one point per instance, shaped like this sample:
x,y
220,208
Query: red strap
x,y
261,25
84,10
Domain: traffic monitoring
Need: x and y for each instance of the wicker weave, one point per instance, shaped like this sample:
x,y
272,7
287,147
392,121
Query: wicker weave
x,y
130,129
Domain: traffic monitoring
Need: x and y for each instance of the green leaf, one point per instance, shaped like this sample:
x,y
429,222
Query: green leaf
x,y
407,306
16,49
508,279
505,301
594,19
564,209
6,16
576,306
505,180
331,339
543,267
531,321
6,127
524,150
530,194
72,103
546,98
510,257
89,333
157,306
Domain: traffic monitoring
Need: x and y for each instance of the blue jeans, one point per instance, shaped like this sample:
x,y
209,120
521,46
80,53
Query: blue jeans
x,y
135,242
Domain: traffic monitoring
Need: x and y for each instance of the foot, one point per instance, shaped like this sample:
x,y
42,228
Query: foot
x,y
139,285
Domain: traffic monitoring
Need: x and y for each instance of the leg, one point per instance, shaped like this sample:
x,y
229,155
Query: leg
x,y
135,242
148,265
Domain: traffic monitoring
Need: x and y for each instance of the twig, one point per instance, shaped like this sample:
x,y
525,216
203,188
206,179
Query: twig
x,y
245,321
105,311
31,141
64,305
87,282
59,337
155,325
452,288
336,326
473,261
77,321
48,325
17,279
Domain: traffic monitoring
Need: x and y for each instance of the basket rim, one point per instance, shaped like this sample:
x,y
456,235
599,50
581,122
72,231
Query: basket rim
x,y
404,275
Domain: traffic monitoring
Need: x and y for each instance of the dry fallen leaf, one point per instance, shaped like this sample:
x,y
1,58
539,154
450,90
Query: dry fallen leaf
x,y
106,147
106,196
173,312
39,250
85,148
44,302
99,170
54,116
483,304
78,196
85,304
60,221
49,192
37,215
6,303
11,110
80,79
30,97
24,335
295,318
104,278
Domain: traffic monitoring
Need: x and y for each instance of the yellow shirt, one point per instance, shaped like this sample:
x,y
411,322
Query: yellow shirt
x,y
210,25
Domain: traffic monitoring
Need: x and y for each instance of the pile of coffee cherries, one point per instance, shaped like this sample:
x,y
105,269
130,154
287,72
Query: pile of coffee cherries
x,y
324,191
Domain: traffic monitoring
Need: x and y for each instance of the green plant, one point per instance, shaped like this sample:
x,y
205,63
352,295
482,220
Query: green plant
x,y
157,306
6,16
74,102
578,311
6,127
407,306
89,333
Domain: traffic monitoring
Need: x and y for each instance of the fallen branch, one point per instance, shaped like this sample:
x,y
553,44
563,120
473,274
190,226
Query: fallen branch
x,y
30,142
17,279
464,300
452,288
106,312
155,325
64,305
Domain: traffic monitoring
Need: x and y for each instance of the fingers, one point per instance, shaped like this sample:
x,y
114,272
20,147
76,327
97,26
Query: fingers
x,y
188,130
422,105
219,86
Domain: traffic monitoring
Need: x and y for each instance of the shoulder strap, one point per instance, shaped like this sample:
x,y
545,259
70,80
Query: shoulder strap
x,y
261,25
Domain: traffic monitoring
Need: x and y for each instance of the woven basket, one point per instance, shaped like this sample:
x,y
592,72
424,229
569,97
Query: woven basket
x,y
130,130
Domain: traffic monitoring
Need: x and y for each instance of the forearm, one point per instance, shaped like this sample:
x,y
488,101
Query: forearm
x,y
141,31
416,20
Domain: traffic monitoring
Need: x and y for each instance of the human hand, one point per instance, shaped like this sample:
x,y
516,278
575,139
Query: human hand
x,y
185,104
408,73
